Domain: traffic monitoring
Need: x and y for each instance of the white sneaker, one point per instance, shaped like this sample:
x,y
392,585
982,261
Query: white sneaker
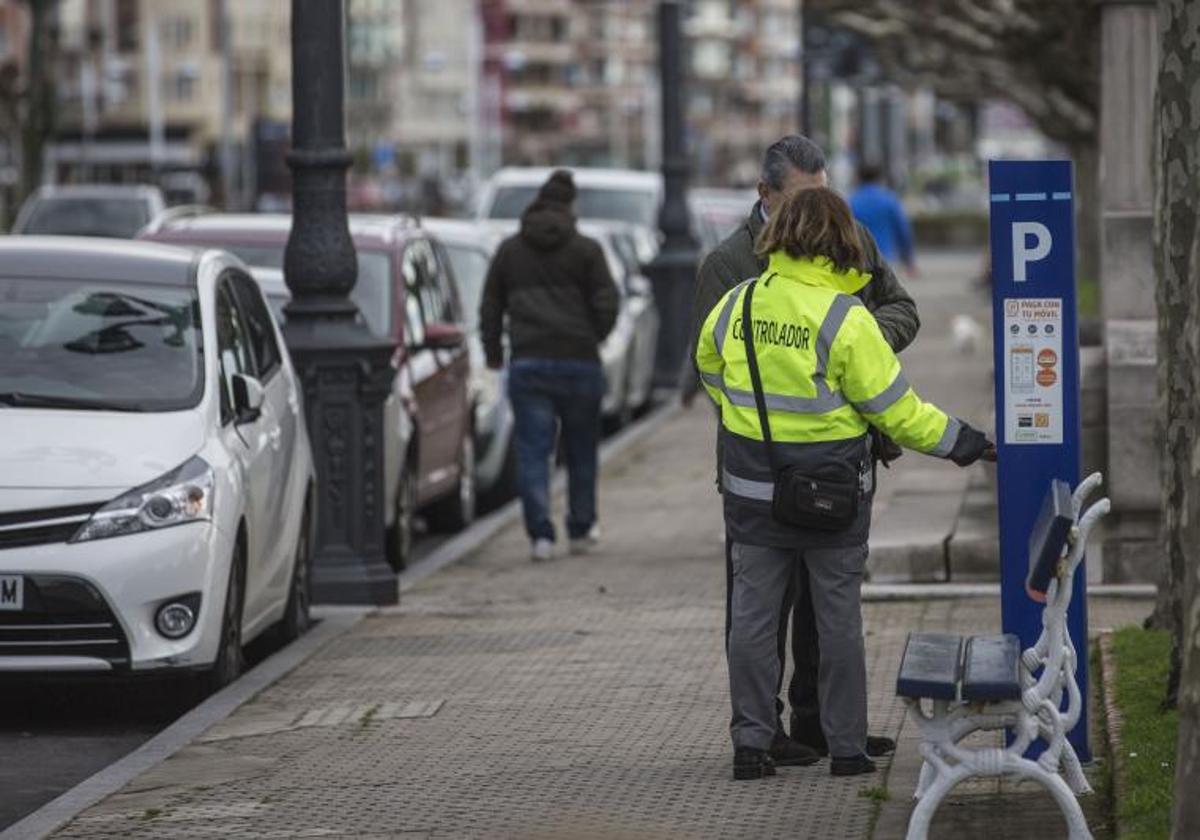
x,y
584,544
542,551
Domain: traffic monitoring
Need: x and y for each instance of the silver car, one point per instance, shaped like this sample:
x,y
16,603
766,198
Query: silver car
x,y
469,247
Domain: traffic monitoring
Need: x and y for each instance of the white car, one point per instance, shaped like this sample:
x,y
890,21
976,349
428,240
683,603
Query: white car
x,y
605,195
156,482
117,210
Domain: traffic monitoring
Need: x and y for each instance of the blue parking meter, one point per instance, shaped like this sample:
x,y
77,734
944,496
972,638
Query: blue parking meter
x,y
1036,346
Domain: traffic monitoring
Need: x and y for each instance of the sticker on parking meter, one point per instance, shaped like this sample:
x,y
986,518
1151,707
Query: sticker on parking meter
x,y
1033,370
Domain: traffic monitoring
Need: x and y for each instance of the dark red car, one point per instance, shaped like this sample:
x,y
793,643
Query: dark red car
x,y
404,292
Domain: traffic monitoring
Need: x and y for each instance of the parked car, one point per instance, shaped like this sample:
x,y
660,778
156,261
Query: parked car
x,y
156,481
615,195
469,248
716,213
627,354
638,299
111,210
404,293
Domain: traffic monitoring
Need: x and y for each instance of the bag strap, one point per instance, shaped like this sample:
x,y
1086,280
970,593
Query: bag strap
x,y
760,400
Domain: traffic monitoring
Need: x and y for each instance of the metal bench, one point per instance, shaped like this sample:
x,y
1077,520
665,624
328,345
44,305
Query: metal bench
x,y
956,685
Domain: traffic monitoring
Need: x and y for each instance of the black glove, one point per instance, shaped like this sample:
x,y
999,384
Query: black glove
x,y
884,448
970,446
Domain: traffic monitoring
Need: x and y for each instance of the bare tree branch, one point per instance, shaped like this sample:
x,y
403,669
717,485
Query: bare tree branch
x,y
1039,54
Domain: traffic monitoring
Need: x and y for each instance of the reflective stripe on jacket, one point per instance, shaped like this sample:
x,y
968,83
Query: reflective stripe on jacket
x,y
827,374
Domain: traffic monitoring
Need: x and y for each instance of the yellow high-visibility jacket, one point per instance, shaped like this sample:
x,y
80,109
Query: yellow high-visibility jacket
x,y
827,374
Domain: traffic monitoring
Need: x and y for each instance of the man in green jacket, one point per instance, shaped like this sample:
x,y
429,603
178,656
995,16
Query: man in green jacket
x,y
795,162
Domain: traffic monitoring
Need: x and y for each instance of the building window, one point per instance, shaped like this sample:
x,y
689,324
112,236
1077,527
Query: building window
x,y
181,86
177,33
364,85
128,26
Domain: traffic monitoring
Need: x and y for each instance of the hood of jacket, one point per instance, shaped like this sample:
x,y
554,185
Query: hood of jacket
x,y
547,225
817,271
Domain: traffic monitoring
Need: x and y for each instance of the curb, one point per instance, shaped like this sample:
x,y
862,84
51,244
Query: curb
x,y
950,591
1113,723
473,538
61,810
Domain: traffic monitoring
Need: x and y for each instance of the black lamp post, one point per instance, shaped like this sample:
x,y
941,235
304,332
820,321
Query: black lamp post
x,y
346,371
673,271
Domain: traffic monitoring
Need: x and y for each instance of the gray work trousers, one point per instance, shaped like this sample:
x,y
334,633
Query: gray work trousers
x,y
760,579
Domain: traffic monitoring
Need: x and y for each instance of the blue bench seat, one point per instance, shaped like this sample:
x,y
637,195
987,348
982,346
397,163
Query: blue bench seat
x,y
931,667
944,666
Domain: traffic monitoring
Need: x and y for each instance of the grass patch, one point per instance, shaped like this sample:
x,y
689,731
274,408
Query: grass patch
x,y
875,794
1087,297
368,718
1146,768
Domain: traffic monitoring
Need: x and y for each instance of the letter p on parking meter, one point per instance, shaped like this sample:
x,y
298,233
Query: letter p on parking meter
x,y
1036,348
1025,253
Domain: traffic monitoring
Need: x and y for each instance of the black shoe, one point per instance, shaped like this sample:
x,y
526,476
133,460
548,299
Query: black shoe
x,y
749,763
788,753
878,745
814,738
854,765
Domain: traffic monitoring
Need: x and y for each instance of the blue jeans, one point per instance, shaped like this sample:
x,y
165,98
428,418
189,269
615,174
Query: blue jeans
x,y
546,395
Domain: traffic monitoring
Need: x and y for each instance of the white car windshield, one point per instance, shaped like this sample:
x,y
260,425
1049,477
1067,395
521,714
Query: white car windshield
x,y
639,207
470,267
98,216
85,344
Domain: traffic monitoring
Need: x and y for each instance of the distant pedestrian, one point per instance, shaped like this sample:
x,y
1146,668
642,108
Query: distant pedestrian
x,y
553,285
801,371
880,211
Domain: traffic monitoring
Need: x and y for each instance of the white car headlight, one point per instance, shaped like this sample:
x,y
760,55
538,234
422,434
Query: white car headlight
x,y
183,495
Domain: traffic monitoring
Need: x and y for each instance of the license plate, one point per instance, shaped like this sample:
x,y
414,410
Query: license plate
x,y
12,592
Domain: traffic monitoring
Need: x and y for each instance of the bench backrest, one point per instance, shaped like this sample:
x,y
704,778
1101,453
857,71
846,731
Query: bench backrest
x,y
1048,540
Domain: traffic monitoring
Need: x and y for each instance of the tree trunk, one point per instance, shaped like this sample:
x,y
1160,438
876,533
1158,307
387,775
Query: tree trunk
x,y
1087,211
1177,263
39,99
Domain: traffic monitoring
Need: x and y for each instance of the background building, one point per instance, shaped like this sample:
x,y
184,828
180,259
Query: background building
x,y
440,93
169,89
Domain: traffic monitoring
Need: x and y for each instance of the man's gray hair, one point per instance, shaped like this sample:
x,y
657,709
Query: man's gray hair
x,y
788,154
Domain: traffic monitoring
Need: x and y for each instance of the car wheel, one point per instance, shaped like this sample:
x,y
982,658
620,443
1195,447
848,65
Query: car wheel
x,y
457,510
506,484
400,535
228,665
624,414
296,614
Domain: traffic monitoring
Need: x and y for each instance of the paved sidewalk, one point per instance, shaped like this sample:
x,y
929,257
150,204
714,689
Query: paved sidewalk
x,y
918,532
586,697
581,698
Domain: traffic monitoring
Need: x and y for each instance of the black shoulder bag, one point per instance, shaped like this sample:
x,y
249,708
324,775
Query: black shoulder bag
x,y
826,500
